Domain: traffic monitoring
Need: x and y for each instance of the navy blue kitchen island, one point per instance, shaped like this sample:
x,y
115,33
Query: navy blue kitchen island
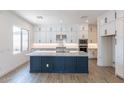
x,y
50,62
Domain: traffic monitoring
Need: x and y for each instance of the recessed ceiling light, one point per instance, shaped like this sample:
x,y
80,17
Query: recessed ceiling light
x,y
61,21
86,21
39,17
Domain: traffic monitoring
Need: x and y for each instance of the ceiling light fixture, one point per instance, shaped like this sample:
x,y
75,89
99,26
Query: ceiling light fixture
x,y
61,21
83,17
39,17
86,21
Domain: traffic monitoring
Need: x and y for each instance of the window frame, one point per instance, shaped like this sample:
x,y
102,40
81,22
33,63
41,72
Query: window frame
x,y
21,40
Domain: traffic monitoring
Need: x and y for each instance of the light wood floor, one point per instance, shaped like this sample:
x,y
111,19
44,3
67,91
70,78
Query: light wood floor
x,y
96,75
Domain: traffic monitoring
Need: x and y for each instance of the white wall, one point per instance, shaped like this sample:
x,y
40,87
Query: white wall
x,y
8,61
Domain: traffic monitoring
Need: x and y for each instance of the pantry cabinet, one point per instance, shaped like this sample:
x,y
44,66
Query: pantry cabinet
x,y
119,48
113,28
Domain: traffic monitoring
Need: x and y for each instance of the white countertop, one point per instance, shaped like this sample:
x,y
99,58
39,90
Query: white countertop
x,y
92,46
53,53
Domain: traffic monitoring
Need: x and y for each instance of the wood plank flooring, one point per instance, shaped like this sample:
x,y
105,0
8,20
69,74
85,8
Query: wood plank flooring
x,y
96,75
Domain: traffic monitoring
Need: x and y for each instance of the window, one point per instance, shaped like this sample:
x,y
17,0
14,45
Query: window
x,y
16,40
25,40
20,40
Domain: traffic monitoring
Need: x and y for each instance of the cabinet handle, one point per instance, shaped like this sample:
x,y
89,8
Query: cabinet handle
x,y
71,41
47,65
105,31
115,41
105,19
115,32
115,15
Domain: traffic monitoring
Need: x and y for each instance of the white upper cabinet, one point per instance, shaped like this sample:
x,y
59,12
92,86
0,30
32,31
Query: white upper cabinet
x,y
119,14
36,37
42,37
47,34
108,17
107,23
108,29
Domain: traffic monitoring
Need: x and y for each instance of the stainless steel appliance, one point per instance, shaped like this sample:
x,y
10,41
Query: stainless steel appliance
x,y
83,45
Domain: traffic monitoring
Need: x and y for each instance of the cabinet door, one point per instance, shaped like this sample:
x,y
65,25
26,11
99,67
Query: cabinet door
x,y
53,36
59,64
47,64
43,37
107,17
49,37
111,28
119,14
119,49
92,53
69,64
35,64
108,29
68,40
82,65
80,35
74,38
36,37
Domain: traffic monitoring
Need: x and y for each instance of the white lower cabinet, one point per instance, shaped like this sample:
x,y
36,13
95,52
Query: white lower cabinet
x,y
92,53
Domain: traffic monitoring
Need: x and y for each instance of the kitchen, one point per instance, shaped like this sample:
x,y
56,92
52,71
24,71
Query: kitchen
x,y
63,43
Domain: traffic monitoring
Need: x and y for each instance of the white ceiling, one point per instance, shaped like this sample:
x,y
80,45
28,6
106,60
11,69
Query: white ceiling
x,y
60,16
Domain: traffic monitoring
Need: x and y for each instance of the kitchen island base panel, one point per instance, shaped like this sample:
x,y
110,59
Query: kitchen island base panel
x,y
58,64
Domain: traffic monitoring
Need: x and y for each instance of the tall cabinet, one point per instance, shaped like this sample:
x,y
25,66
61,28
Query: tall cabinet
x,y
120,48
111,41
